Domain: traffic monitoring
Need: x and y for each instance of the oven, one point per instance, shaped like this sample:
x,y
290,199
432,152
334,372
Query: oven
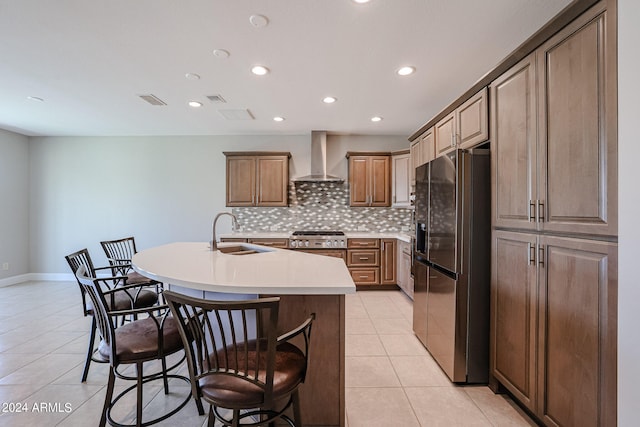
x,y
320,242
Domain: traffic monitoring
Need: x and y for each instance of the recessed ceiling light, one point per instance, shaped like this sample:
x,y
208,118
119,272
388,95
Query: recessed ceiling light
x,y
405,71
220,53
329,100
259,70
195,104
278,119
376,119
259,21
361,1
35,98
192,76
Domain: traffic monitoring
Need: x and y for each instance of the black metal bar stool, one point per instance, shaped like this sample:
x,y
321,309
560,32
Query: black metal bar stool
x,y
237,361
154,336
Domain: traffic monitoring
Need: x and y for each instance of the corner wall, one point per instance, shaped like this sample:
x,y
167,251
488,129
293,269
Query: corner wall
x,y
14,199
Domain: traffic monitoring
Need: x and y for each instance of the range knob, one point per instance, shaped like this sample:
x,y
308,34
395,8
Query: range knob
x,y
294,243
306,243
328,243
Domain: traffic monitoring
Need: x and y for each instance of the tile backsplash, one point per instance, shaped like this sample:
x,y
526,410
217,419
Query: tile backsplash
x,y
322,206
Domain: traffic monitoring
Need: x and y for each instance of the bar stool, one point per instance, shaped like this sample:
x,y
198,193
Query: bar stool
x,y
147,339
236,360
143,297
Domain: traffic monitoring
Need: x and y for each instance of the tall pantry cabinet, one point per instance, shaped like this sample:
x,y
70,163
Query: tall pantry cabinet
x,y
554,237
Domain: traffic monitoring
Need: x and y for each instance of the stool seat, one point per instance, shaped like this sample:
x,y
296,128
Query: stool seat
x,y
237,392
139,340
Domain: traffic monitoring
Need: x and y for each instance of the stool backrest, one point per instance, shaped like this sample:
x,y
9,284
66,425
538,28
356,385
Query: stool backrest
x,y
119,253
236,338
76,260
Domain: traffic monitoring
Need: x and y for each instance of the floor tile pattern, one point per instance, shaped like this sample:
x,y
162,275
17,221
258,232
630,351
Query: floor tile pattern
x,y
390,378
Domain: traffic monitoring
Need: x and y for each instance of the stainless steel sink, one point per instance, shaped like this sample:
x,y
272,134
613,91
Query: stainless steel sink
x,y
241,250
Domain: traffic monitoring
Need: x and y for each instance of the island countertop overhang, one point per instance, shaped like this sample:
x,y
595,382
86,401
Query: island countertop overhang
x,y
272,271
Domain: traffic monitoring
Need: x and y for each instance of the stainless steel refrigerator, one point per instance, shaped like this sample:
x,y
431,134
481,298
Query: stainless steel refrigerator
x,y
452,262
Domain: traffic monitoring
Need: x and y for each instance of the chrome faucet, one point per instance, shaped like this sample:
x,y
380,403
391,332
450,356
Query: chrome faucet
x,y
234,226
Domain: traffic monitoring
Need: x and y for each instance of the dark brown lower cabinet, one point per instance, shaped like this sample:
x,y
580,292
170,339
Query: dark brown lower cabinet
x,y
388,267
554,327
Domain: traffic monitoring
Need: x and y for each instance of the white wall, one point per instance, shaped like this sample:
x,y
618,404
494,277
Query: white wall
x,y
158,189
14,202
629,213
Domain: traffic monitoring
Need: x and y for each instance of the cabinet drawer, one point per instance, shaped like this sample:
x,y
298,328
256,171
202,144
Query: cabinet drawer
x,y
365,276
276,243
365,257
363,243
327,252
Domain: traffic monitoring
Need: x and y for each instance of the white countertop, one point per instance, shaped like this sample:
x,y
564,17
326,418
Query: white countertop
x,y
273,272
404,236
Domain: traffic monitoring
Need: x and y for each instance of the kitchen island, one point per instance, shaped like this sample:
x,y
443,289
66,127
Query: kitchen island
x,y
304,282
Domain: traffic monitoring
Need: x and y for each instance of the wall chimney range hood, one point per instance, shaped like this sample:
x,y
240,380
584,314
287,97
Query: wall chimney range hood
x,y
318,160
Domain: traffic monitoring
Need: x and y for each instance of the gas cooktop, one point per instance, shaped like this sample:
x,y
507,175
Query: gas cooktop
x,y
318,239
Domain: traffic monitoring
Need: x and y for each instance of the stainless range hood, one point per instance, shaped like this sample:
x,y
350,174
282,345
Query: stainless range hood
x,y
318,160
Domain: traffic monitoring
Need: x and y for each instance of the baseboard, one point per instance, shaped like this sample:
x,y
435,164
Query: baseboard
x,y
31,277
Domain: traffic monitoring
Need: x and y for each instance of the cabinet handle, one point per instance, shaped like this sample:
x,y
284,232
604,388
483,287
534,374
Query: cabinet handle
x,y
532,211
363,277
453,139
541,256
364,258
532,254
541,210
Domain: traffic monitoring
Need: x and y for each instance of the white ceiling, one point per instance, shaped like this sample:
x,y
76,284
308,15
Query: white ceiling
x,y
90,59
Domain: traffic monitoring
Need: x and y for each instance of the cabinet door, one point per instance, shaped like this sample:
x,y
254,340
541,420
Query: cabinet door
x,y
578,341
400,180
513,147
514,296
388,262
272,180
358,180
472,120
428,149
241,181
416,156
445,134
401,274
578,145
380,181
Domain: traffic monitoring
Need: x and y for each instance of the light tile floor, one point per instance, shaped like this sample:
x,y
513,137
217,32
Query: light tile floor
x,y
390,378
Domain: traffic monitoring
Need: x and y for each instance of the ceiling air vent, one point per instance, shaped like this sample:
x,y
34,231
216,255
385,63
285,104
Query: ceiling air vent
x,y
236,114
217,99
152,99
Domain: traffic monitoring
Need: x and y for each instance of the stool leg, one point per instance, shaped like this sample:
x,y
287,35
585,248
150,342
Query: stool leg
x,y
109,395
296,408
164,375
139,395
92,337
